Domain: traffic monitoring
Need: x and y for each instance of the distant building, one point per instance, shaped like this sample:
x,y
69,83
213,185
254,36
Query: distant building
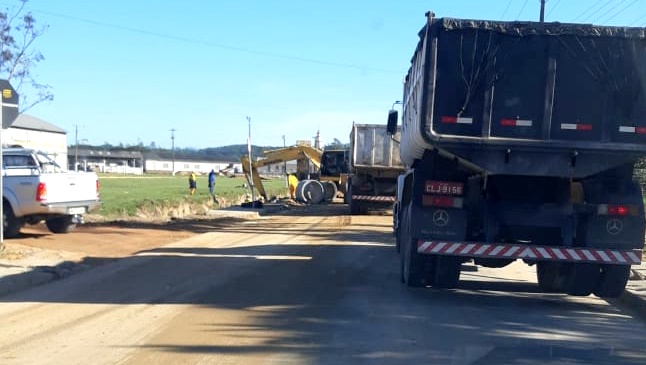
x,y
160,163
30,132
98,160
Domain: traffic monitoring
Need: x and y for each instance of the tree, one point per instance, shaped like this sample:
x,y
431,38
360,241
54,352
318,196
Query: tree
x,y
18,32
336,145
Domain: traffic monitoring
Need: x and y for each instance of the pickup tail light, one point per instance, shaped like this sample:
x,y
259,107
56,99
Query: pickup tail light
x,y
617,210
41,192
98,187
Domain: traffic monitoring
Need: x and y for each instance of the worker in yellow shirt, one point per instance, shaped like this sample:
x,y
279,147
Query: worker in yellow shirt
x,y
292,181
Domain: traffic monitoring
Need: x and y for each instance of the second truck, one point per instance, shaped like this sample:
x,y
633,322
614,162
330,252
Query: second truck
x,y
519,140
374,166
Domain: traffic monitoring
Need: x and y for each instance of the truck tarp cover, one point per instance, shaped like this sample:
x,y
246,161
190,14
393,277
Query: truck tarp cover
x,y
569,84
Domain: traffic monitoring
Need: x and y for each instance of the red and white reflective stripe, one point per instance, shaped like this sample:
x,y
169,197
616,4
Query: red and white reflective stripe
x,y
542,253
373,198
636,130
516,123
576,127
456,120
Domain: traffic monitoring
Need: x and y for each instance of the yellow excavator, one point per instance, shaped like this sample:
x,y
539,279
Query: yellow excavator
x,y
325,162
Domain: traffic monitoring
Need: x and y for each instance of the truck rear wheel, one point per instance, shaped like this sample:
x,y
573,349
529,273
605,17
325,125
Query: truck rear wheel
x,y
60,224
549,276
582,279
412,273
447,272
613,281
11,224
414,267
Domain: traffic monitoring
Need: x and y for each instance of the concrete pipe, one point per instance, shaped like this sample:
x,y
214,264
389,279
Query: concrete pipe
x,y
330,190
310,192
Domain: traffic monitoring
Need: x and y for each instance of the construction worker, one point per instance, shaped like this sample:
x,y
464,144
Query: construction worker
x,y
192,183
292,181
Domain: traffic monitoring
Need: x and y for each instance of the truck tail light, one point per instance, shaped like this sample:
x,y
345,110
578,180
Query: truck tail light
x,y
442,201
98,187
617,210
41,192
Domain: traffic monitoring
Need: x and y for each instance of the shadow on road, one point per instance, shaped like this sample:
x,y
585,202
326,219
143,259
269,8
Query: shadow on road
x,y
342,303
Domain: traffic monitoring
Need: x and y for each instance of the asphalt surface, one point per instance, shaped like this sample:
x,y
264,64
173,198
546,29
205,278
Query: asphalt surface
x,y
304,289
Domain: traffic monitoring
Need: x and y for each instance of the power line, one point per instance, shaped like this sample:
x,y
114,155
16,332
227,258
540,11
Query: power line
x,y
507,8
638,19
620,11
607,11
522,9
215,45
553,7
591,8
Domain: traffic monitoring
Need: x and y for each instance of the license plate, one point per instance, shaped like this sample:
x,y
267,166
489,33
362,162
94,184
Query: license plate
x,y
76,210
444,188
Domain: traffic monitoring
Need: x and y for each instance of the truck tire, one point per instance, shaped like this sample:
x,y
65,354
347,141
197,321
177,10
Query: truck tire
x,y
11,224
60,224
549,277
447,272
582,279
412,265
613,281
347,196
356,207
397,226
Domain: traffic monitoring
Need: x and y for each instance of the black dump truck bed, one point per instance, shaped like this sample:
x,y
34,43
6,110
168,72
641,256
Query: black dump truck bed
x,y
527,98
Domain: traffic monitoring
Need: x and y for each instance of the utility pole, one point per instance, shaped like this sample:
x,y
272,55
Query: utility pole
x,y
76,155
542,17
253,198
285,166
172,139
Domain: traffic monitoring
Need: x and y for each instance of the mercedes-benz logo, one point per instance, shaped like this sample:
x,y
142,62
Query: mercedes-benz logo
x,y
440,218
614,226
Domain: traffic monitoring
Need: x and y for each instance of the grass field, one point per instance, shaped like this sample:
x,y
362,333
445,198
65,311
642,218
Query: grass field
x,y
124,196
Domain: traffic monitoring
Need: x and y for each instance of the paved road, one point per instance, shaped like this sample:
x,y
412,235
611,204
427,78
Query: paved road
x,y
303,289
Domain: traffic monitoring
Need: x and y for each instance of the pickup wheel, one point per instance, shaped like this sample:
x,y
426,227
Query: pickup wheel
x,y
11,224
60,224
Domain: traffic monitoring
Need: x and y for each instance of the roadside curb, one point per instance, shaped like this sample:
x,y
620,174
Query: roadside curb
x,y
21,281
38,275
246,213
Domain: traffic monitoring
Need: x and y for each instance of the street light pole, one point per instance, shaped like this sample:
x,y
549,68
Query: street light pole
x,y
76,155
172,139
285,166
253,197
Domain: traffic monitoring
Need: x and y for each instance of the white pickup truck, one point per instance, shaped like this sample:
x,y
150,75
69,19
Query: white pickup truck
x,y
36,189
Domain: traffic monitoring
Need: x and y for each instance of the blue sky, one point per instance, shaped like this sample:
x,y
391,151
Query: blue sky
x,y
129,71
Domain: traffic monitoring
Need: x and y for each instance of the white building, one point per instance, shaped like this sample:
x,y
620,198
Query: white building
x,y
30,132
154,163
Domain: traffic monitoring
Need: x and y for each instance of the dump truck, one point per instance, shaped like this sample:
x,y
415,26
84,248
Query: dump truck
x,y
374,166
519,140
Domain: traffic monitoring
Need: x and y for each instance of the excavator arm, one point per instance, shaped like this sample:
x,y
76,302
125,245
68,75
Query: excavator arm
x,y
278,156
